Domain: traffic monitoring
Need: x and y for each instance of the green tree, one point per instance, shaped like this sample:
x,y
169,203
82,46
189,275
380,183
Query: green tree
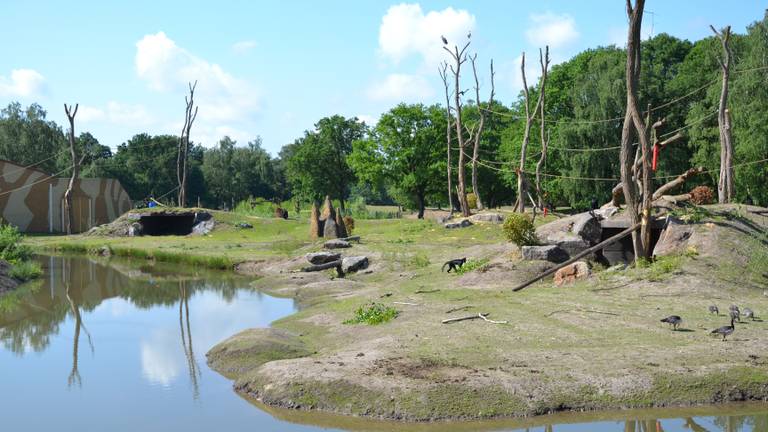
x,y
27,138
406,150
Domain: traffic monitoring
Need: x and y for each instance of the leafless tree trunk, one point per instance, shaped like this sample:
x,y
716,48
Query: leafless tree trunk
x,y
444,75
725,183
483,113
544,139
68,210
634,125
530,115
459,57
181,159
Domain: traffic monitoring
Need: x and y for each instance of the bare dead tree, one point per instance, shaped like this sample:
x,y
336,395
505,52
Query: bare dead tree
x,y
530,115
483,113
68,210
725,188
181,159
443,70
635,126
544,139
459,58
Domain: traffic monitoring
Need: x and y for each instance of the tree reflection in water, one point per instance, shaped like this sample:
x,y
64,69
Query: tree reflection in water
x,y
186,339
74,375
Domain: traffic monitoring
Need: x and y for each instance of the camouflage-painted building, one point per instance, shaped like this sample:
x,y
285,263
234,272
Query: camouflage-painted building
x,y
34,200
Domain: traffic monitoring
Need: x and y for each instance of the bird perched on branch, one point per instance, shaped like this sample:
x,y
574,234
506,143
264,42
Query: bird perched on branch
x,y
445,41
673,320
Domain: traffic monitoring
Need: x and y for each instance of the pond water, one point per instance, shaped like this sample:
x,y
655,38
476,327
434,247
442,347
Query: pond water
x,y
121,346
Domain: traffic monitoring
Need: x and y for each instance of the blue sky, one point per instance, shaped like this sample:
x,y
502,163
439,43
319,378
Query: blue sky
x,y
273,68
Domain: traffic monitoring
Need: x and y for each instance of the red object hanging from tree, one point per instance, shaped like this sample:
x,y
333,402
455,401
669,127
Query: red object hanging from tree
x,y
656,148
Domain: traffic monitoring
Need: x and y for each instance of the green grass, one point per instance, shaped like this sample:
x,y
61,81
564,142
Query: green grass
x,y
471,265
373,314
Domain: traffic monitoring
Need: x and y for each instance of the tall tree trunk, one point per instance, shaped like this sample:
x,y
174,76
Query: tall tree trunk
x,y
68,210
444,75
530,114
725,189
420,203
459,58
183,153
483,113
544,140
632,119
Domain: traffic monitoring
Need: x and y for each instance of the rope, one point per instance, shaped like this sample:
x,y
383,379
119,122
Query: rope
x,y
22,168
37,182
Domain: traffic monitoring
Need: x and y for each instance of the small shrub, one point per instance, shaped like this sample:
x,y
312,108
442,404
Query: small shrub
x,y
518,228
472,200
701,195
11,248
25,271
471,265
373,314
419,261
349,223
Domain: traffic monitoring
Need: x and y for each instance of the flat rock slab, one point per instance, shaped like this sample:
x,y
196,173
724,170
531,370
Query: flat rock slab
x,y
488,217
462,224
674,238
336,244
354,263
551,253
572,273
322,257
587,227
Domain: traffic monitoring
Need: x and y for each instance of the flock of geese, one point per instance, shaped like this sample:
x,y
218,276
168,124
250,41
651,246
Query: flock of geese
x,y
735,313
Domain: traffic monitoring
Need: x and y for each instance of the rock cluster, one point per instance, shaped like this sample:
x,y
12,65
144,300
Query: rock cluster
x,y
326,224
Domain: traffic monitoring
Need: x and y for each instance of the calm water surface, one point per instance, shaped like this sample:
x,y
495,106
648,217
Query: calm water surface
x,y
121,347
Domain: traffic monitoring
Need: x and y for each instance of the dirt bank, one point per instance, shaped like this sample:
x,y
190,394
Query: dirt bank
x,y
596,344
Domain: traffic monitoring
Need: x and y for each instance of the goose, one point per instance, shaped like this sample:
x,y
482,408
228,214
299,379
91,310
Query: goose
x,y
713,309
748,313
735,314
724,330
673,320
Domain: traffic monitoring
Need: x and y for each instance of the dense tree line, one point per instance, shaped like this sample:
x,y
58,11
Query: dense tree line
x,y
402,158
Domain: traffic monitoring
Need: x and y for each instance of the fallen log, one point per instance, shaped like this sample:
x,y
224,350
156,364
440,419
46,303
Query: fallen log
x,y
677,198
351,239
580,255
482,316
682,178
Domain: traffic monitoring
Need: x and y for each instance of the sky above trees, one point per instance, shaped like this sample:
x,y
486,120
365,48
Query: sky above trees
x,y
272,69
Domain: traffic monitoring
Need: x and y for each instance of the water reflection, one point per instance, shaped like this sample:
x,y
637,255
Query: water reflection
x,y
152,325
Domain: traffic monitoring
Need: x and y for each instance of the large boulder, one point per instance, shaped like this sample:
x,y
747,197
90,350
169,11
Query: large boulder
x,y
488,217
341,229
354,263
135,230
587,226
461,224
568,242
322,257
674,238
336,244
551,253
571,273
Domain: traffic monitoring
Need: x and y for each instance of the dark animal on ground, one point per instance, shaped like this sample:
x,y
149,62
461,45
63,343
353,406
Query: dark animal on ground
x,y
713,309
673,320
453,264
724,330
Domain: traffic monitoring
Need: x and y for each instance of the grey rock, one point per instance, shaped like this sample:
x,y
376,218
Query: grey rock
x,y
588,228
674,238
244,225
551,253
203,227
134,230
322,257
354,263
616,268
336,244
329,229
462,224
488,217
570,243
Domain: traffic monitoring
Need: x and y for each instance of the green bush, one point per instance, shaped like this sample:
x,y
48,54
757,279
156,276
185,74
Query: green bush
x,y
470,265
25,271
373,314
518,228
472,200
11,249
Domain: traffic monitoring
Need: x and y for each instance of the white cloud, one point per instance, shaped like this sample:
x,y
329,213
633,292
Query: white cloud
x,y
532,71
617,35
22,83
243,47
368,119
116,113
401,88
222,98
551,29
405,30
